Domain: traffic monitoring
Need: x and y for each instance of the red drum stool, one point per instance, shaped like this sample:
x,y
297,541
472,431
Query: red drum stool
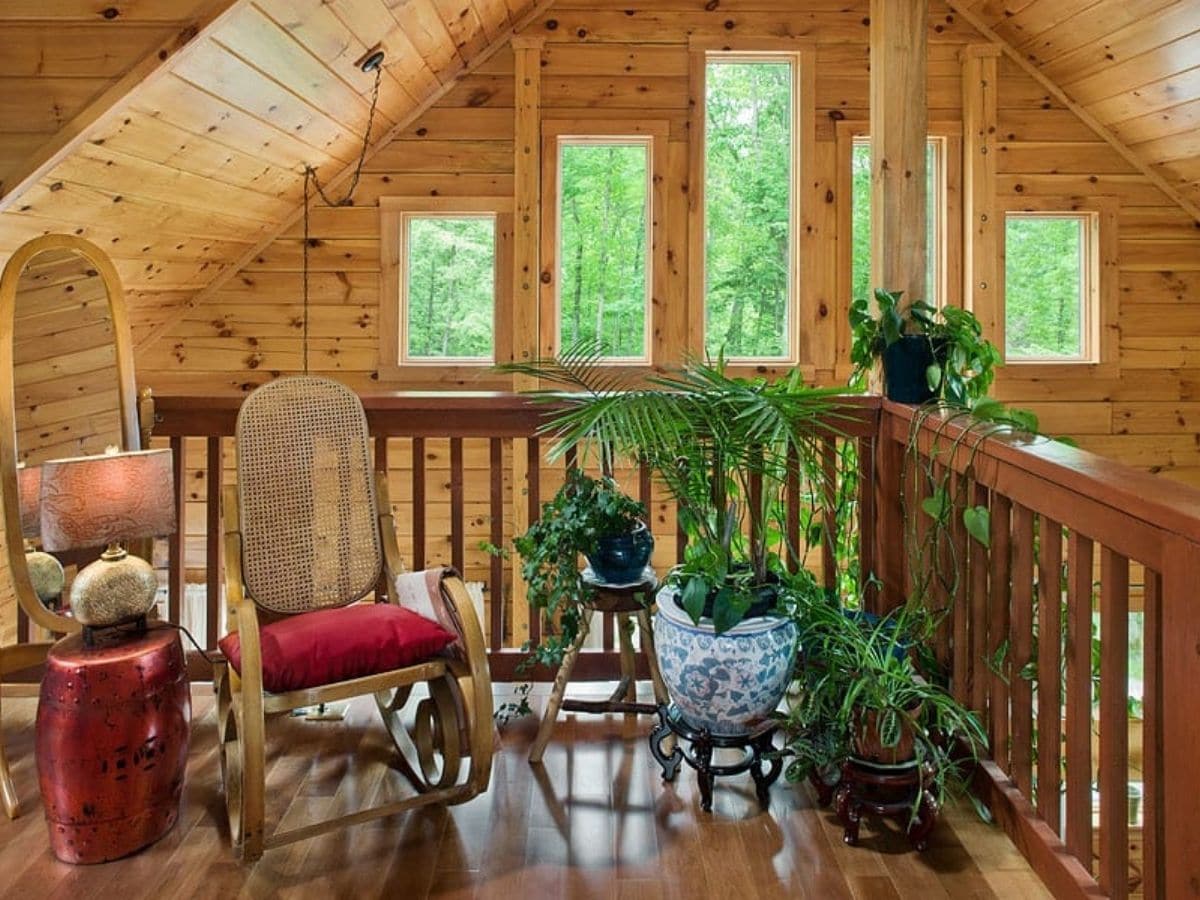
x,y
112,741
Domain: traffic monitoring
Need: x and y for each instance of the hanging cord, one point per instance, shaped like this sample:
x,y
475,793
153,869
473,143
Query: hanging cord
x,y
310,177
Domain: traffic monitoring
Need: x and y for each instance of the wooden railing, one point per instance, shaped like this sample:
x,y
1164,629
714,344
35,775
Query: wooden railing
x,y
1072,537
465,469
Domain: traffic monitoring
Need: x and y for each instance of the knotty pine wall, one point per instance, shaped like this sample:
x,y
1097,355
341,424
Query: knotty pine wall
x,y
605,63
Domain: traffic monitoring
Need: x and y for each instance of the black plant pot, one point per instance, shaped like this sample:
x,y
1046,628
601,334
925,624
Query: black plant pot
x,y
904,366
766,597
621,558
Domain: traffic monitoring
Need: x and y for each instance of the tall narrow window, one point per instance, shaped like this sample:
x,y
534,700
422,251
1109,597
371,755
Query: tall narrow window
x,y
603,244
861,220
448,292
749,233
1049,287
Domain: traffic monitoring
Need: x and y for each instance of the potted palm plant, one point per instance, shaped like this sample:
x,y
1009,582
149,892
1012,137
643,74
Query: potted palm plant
x,y
721,447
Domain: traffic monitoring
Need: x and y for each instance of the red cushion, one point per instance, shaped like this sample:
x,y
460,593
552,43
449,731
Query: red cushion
x,y
332,645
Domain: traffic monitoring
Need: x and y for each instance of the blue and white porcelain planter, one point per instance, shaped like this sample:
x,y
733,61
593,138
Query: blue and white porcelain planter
x,y
728,683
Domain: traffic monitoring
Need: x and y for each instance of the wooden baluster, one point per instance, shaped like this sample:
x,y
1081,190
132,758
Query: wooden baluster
x,y
22,625
1021,688
382,588
1114,724
1153,882
977,566
457,525
960,684
939,555
755,504
829,471
1049,665
214,572
792,511
533,457
1079,699
177,542
890,528
496,536
571,458
866,519
418,503
999,600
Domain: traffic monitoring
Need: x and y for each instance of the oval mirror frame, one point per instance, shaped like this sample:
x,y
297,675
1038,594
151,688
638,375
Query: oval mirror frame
x,y
127,396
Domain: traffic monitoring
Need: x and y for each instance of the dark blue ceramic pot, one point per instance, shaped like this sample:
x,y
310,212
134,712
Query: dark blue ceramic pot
x,y
904,365
621,558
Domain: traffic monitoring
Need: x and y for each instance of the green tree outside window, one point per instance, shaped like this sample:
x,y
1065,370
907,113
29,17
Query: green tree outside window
x,y
451,296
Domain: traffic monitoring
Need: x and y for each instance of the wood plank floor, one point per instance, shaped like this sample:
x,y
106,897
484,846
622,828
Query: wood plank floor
x,y
594,822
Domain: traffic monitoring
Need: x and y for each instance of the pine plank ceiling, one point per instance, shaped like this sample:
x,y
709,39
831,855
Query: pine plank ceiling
x,y
1133,64
199,159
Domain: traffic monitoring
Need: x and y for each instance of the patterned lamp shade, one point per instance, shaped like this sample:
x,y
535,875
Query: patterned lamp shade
x,y
29,488
94,500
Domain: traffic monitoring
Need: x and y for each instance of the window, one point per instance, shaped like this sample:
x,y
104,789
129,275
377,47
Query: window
x,y
860,186
749,253
604,261
442,261
1050,287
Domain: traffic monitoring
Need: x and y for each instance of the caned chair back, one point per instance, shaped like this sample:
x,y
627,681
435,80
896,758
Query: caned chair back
x,y
306,496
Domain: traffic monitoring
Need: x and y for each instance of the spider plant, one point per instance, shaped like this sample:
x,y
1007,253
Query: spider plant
x,y
723,447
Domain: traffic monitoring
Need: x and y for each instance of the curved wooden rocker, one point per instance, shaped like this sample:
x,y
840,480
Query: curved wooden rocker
x,y
309,527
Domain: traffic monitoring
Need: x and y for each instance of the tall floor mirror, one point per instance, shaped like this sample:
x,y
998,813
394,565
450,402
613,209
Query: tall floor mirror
x,y
66,389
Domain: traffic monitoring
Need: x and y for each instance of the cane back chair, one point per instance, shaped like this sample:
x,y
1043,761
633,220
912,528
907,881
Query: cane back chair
x,y
308,529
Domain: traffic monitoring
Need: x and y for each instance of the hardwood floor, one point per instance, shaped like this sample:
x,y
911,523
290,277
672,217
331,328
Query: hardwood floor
x,y
594,822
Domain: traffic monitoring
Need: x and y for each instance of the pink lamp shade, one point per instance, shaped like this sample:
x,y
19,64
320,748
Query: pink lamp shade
x,y
93,500
29,489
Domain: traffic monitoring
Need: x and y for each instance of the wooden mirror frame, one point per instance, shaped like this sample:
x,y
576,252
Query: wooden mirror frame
x,y
126,389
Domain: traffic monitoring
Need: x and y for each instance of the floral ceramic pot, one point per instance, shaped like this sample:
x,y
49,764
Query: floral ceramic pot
x,y
725,683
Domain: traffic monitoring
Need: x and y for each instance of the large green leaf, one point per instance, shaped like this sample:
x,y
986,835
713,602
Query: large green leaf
x,y
978,521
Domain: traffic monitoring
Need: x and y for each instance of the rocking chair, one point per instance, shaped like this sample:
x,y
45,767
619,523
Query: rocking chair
x,y
308,531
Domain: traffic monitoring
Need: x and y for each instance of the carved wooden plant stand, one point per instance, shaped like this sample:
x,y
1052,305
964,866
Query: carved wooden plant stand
x,y
759,755
883,790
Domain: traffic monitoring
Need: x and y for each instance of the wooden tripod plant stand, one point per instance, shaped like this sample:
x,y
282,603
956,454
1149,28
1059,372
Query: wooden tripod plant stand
x,y
626,602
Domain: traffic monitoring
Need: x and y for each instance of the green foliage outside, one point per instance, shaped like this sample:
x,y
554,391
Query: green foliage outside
x,y
860,213
451,287
748,162
602,228
1042,286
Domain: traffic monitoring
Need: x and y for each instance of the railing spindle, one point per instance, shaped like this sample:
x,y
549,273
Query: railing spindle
x,y
418,503
1153,880
999,605
829,514
496,536
533,459
959,610
866,516
977,565
1079,699
1021,687
457,525
792,511
1114,723
1049,665
177,542
214,571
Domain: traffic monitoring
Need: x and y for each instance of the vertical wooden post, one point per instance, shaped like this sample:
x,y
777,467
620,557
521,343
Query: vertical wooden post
x,y
527,167
214,576
177,543
1180,735
981,230
899,126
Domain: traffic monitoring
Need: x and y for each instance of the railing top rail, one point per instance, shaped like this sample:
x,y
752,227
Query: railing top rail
x,y
1139,498
435,414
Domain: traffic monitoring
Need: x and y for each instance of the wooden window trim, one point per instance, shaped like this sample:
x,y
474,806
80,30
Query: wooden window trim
x,y
393,367
1103,258
656,133
950,237
804,293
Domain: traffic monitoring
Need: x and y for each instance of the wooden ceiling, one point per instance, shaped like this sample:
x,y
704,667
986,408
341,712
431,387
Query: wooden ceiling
x,y
198,162
1133,65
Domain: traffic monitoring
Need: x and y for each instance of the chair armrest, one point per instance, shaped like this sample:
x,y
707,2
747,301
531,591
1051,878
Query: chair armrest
x,y
393,562
241,615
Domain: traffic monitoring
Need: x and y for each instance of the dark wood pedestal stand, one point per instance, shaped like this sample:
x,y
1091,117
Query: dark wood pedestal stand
x,y
757,748
881,790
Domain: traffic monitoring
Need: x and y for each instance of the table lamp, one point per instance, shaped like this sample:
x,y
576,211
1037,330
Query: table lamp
x,y
45,572
93,500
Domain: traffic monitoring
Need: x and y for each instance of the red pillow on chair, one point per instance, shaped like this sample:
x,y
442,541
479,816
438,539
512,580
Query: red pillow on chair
x,y
331,645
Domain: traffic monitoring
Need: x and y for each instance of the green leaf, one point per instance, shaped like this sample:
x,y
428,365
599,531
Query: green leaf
x,y
937,504
978,521
987,408
729,608
695,591
933,376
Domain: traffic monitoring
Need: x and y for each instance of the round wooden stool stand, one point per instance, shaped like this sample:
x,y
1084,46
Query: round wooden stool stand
x,y
112,741
627,602
890,791
757,748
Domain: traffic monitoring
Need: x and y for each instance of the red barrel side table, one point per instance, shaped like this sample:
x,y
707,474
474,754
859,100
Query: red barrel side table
x,y
112,740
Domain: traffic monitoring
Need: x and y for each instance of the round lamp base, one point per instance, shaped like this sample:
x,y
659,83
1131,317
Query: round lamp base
x,y
113,590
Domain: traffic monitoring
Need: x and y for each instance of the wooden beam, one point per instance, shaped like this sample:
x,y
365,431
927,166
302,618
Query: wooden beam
x,y
101,112
981,230
1052,87
340,178
899,123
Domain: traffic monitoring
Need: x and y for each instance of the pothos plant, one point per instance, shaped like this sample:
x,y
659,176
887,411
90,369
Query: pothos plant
x,y
963,367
